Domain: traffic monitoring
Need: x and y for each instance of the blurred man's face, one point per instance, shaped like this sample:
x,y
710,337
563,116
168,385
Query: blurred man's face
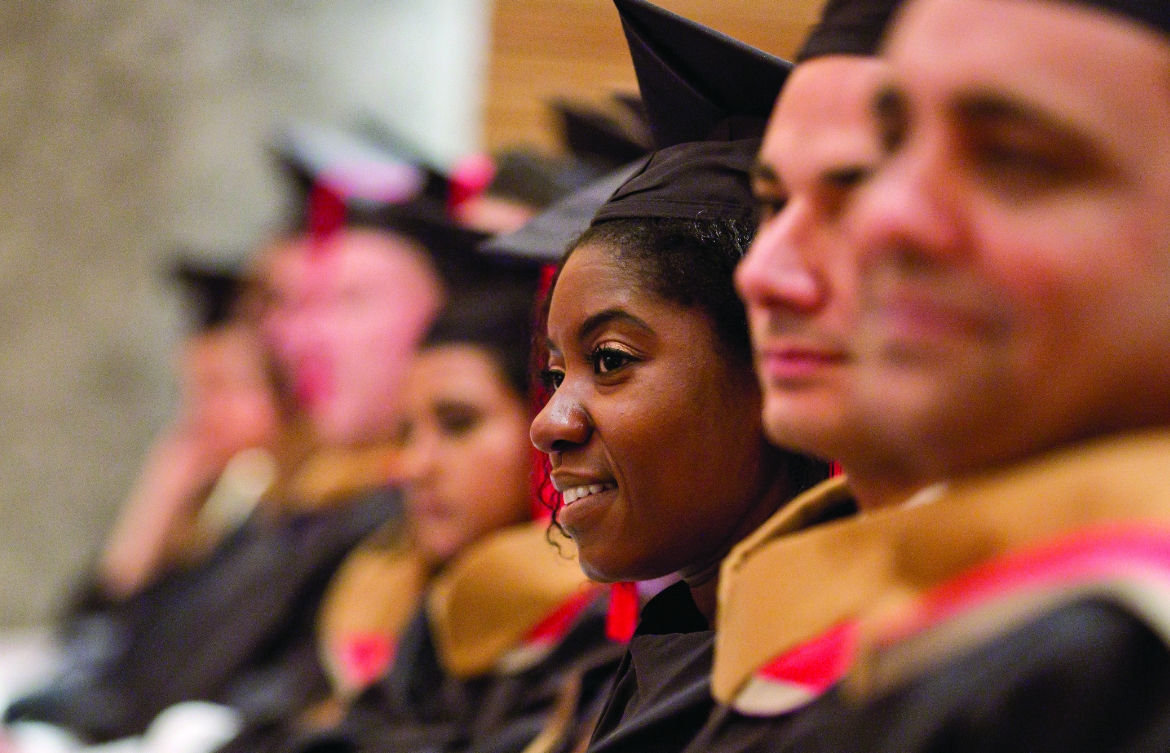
x,y
799,277
227,401
342,321
1016,240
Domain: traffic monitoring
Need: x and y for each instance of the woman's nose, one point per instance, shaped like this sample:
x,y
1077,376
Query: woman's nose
x,y
562,424
419,456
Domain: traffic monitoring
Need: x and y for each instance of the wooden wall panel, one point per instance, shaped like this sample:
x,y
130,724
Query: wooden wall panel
x,y
547,48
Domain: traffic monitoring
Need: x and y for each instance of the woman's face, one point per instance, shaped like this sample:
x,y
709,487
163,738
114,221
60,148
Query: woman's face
x,y
466,457
654,434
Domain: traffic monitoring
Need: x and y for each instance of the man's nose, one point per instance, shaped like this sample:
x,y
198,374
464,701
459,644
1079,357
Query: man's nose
x,y
779,270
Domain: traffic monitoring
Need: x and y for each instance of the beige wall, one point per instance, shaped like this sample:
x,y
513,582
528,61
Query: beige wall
x,y
128,127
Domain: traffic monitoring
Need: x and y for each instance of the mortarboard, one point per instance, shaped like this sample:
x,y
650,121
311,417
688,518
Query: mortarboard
x,y
707,98
339,178
849,27
594,136
345,180
704,176
548,235
535,179
694,79
212,290
1153,13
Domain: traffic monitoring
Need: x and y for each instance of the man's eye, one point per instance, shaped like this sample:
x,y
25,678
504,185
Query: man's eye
x,y
404,433
1019,169
609,359
768,207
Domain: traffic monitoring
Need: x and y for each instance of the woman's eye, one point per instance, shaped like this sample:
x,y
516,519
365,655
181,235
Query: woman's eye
x,y
404,434
609,359
550,379
456,421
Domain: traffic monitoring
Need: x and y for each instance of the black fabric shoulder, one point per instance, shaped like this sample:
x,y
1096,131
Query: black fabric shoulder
x,y
672,611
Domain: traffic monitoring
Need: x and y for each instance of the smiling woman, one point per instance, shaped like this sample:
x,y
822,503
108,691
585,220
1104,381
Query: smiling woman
x,y
653,429
644,321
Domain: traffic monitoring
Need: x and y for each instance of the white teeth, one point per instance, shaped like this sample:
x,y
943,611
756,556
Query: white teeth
x,y
574,493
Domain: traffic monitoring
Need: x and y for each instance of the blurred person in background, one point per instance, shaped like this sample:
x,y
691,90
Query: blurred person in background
x,y
236,626
206,471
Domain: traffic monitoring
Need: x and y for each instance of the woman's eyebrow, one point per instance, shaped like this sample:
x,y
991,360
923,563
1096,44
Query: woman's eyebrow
x,y
596,321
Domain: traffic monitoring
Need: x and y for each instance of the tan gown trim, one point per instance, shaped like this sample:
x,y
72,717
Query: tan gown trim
x,y
490,598
375,592
739,653
792,588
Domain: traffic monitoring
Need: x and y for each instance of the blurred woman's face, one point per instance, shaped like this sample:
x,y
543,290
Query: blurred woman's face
x,y
466,457
653,432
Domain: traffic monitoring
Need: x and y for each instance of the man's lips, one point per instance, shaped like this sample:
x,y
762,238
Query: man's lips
x,y
798,361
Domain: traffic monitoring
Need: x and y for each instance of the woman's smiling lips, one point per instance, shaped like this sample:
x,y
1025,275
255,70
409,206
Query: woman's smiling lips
x,y
574,493
582,496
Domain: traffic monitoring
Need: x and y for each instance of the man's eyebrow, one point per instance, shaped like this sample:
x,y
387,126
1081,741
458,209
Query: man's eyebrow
x,y
762,172
983,109
596,321
846,176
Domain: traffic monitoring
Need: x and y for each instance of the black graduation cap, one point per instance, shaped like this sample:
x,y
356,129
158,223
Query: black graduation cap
x,y
703,176
598,137
357,176
211,289
1154,13
547,236
849,27
536,179
708,98
346,180
693,78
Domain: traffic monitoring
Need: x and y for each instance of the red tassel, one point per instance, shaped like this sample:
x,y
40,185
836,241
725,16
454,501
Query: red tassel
x,y
622,619
325,214
469,179
835,469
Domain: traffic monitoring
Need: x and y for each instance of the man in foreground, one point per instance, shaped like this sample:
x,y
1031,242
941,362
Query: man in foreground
x,y
1014,257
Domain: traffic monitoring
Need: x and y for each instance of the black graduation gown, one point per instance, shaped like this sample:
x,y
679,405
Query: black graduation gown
x,y
661,697
237,629
1086,677
417,706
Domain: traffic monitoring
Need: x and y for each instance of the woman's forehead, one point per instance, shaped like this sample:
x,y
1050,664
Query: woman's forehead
x,y
593,279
